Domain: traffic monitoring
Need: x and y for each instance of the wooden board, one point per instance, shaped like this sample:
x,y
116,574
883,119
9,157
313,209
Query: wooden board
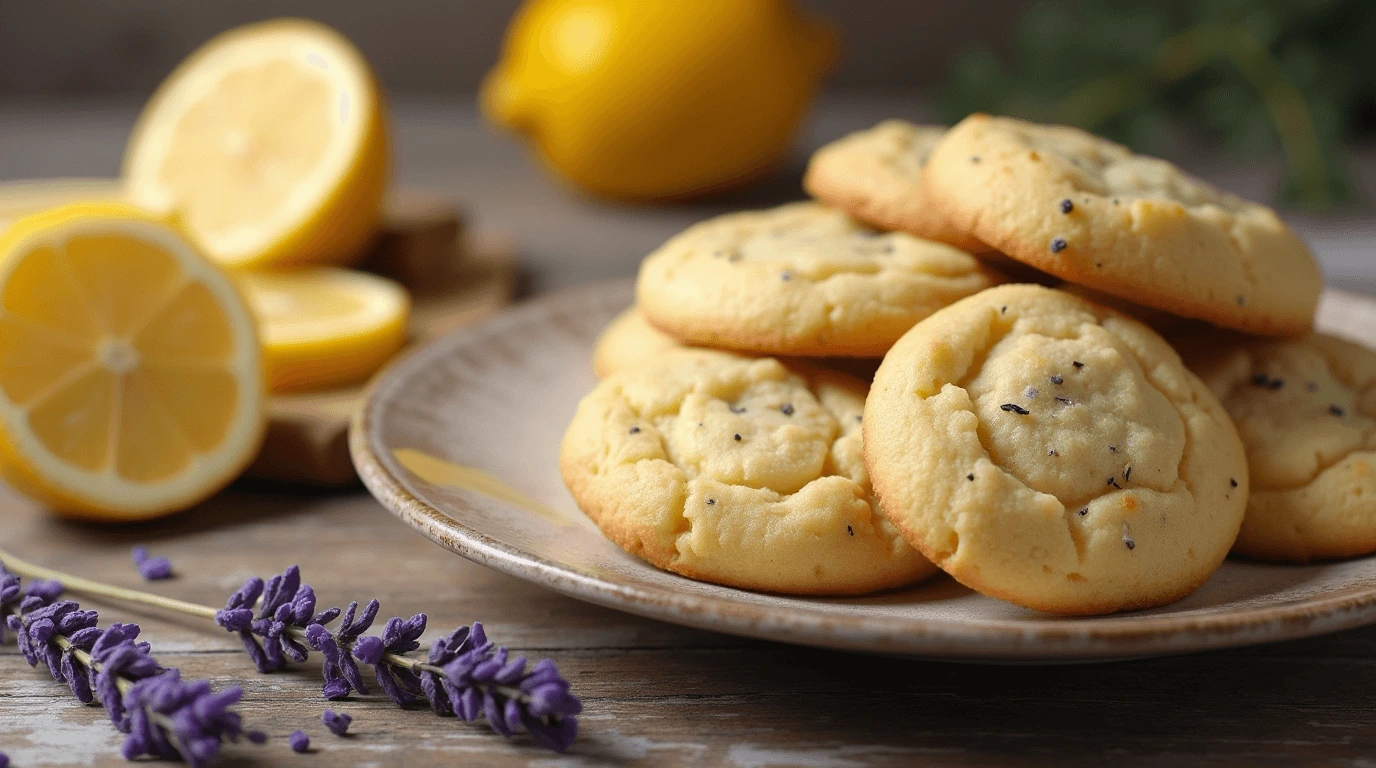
x,y
307,437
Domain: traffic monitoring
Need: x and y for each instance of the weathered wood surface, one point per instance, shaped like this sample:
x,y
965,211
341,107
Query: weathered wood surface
x,y
656,694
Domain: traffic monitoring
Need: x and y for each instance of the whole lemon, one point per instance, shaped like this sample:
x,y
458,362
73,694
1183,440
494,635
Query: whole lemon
x,y
658,99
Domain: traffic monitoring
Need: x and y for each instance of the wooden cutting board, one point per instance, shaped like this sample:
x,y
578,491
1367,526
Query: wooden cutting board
x,y
454,279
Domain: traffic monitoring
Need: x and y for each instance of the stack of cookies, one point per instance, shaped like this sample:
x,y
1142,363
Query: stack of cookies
x,y
1098,378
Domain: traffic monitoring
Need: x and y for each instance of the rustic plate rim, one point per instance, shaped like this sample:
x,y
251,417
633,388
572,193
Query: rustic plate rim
x,y
1038,639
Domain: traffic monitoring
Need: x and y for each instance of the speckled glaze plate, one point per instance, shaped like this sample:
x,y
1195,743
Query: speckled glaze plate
x,y
496,398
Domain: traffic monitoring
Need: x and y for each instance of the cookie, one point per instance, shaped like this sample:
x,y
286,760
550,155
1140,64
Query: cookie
x,y
627,342
800,280
1091,212
736,471
875,175
1306,411
1053,453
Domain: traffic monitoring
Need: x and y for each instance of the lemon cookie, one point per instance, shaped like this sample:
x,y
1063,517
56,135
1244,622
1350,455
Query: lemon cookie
x,y
1089,211
1306,412
627,342
875,175
737,471
1053,453
800,279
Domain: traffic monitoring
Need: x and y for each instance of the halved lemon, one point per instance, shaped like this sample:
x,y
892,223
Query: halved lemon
x,y
131,380
270,143
325,327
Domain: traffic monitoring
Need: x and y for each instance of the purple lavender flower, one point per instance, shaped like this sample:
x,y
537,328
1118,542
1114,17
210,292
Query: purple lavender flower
x,y
118,656
286,602
442,652
4,760
399,637
338,723
299,741
484,682
162,715
172,718
340,671
151,568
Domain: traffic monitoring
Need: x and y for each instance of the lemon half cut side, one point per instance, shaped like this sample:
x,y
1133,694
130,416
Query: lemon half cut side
x,y
270,143
131,378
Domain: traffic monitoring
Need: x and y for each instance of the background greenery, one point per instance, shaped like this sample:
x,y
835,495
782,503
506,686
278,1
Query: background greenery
x,y
1296,77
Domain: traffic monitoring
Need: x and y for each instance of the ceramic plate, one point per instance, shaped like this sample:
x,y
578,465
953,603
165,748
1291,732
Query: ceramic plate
x,y
486,407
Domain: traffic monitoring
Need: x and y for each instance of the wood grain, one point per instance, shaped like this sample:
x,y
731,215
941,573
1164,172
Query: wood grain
x,y
657,694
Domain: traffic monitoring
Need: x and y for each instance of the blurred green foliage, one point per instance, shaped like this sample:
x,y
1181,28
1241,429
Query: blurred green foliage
x,y
1294,76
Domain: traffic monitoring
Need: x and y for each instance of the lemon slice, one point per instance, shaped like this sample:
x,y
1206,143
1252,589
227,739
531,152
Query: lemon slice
x,y
270,143
131,379
325,327
21,198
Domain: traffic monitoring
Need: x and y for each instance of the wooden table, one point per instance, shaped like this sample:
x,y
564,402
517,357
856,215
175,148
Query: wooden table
x,y
654,694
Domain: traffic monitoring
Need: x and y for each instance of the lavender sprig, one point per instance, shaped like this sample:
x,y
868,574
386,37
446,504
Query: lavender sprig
x,y
464,673
161,715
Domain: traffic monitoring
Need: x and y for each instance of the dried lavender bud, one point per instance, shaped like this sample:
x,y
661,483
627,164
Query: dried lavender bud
x,y
1067,206
787,408
1127,474
786,276
1015,408
340,671
1312,386
1113,481
161,715
1337,410
4,760
738,437
202,718
1064,400
483,682
1030,393
1052,452
970,477
151,568
635,430
850,531
1078,365
711,502
1082,511
1232,482
1058,244
398,637
286,603
338,723
1057,379
299,741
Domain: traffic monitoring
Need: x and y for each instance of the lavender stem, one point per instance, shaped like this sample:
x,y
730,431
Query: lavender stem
x,y
80,586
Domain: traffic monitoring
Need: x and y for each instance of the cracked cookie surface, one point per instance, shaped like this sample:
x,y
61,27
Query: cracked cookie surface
x,y
1306,411
736,471
1090,211
800,279
875,175
1053,453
